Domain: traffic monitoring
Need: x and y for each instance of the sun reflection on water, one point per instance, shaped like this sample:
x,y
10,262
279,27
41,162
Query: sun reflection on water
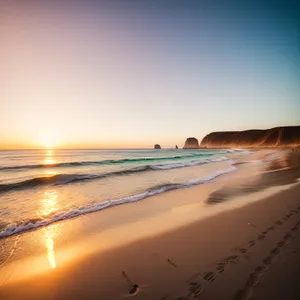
x,y
49,202
49,205
49,160
51,233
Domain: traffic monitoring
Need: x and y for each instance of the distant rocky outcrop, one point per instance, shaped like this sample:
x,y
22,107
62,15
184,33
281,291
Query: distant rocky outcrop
x,y
157,146
176,147
288,136
191,143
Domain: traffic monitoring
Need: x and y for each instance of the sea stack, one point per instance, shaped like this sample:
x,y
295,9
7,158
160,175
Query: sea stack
x,y
191,143
176,147
157,146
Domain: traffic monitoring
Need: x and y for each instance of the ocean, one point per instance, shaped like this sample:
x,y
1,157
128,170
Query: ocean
x,y
40,187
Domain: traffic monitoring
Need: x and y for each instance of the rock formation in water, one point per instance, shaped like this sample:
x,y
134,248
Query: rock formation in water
x,y
191,143
288,136
157,146
176,147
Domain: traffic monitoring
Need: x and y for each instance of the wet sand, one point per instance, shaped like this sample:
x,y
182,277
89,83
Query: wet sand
x,y
173,246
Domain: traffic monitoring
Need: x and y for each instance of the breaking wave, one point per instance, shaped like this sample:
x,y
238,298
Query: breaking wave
x,y
72,178
111,161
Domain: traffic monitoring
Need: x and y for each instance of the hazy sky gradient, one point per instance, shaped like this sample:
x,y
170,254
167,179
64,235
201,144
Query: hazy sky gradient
x,y
135,73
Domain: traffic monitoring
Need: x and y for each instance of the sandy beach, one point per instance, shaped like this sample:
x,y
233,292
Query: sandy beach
x,y
236,238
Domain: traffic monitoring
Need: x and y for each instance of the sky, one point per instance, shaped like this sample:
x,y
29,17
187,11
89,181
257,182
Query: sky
x,y
132,73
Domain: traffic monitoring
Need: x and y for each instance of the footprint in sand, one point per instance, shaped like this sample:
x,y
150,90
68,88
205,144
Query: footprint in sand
x,y
243,294
261,269
275,252
209,276
268,260
241,250
221,267
261,237
255,276
271,228
195,289
253,279
279,222
287,237
281,244
251,243
295,228
231,259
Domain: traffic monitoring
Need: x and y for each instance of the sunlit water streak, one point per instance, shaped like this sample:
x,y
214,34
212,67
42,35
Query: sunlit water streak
x,y
50,234
49,204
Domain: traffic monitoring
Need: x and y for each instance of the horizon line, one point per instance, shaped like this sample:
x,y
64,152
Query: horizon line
x,y
47,149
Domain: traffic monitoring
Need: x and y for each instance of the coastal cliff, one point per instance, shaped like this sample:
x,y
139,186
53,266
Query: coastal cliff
x,y
288,136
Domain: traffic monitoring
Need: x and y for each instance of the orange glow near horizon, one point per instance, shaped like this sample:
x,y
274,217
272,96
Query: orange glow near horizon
x,y
48,142
87,145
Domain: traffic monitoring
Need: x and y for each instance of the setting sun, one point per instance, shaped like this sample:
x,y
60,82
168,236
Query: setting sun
x,y
48,142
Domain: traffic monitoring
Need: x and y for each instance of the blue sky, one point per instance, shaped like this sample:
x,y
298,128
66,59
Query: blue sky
x,y
135,73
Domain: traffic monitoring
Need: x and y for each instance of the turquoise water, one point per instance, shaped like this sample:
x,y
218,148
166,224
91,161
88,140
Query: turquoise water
x,y
39,187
